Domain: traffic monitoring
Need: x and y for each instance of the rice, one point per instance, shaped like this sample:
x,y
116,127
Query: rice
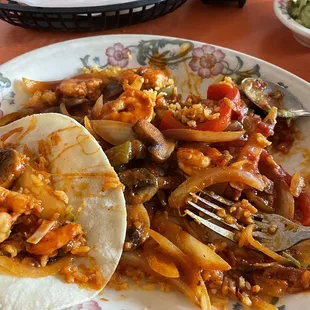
x,y
248,285
241,282
272,228
36,181
245,299
192,124
148,287
255,288
194,111
164,287
221,212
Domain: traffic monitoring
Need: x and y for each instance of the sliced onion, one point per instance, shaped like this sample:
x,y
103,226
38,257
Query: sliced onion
x,y
114,132
168,247
96,111
18,269
189,283
10,133
211,176
136,260
104,144
247,232
9,118
297,184
162,264
31,86
202,294
284,201
88,126
200,254
202,136
260,304
41,231
63,110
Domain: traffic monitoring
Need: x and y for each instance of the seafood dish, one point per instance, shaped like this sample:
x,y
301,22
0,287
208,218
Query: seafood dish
x,y
170,151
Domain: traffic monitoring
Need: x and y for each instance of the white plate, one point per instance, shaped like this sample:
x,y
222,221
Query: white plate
x,y
197,62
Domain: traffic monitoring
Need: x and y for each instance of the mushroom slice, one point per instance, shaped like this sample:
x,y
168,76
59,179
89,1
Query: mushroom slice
x,y
12,166
160,148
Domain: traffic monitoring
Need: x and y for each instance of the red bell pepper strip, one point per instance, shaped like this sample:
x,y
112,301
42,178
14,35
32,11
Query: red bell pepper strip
x,y
304,205
220,91
228,90
170,122
276,173
217,92
221,122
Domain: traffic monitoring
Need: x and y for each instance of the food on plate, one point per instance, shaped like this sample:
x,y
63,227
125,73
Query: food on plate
x,y
300,11
56,191
165,148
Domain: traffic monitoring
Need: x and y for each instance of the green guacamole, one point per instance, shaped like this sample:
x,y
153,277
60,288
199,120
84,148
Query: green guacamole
x,y
300,11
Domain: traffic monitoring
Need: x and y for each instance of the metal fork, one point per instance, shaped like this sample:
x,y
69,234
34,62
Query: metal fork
x,y
286,234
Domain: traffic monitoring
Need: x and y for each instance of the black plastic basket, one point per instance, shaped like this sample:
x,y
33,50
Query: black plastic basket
x,y
241,3
86,18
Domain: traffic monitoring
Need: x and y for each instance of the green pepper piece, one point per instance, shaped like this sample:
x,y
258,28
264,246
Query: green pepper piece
x,y
120,154
71,217
168,90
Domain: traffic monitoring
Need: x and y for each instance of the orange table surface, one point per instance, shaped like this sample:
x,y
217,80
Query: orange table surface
x,y
254,30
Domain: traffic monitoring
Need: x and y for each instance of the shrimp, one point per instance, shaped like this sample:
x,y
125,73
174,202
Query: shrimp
x,y
18,203
5,225
40,101
80,88
55,239
131,106
192,161
152,78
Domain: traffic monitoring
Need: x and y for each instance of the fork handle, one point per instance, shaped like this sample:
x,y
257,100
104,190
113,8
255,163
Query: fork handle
x,y
303,234
301,113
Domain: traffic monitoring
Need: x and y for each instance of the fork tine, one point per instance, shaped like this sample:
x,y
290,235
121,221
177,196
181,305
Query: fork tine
x,y
259,234
211,214
218,198
262,225
207,202
219,230
261,222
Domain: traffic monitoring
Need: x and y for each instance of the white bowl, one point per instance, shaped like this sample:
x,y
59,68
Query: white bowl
x,y
301,33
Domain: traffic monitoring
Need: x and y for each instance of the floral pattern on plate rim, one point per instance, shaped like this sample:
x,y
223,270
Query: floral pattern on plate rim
x,y
9,97
206,61
94,305
89,305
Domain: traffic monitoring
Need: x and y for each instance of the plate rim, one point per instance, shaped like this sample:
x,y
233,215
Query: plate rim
x,y
116,36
